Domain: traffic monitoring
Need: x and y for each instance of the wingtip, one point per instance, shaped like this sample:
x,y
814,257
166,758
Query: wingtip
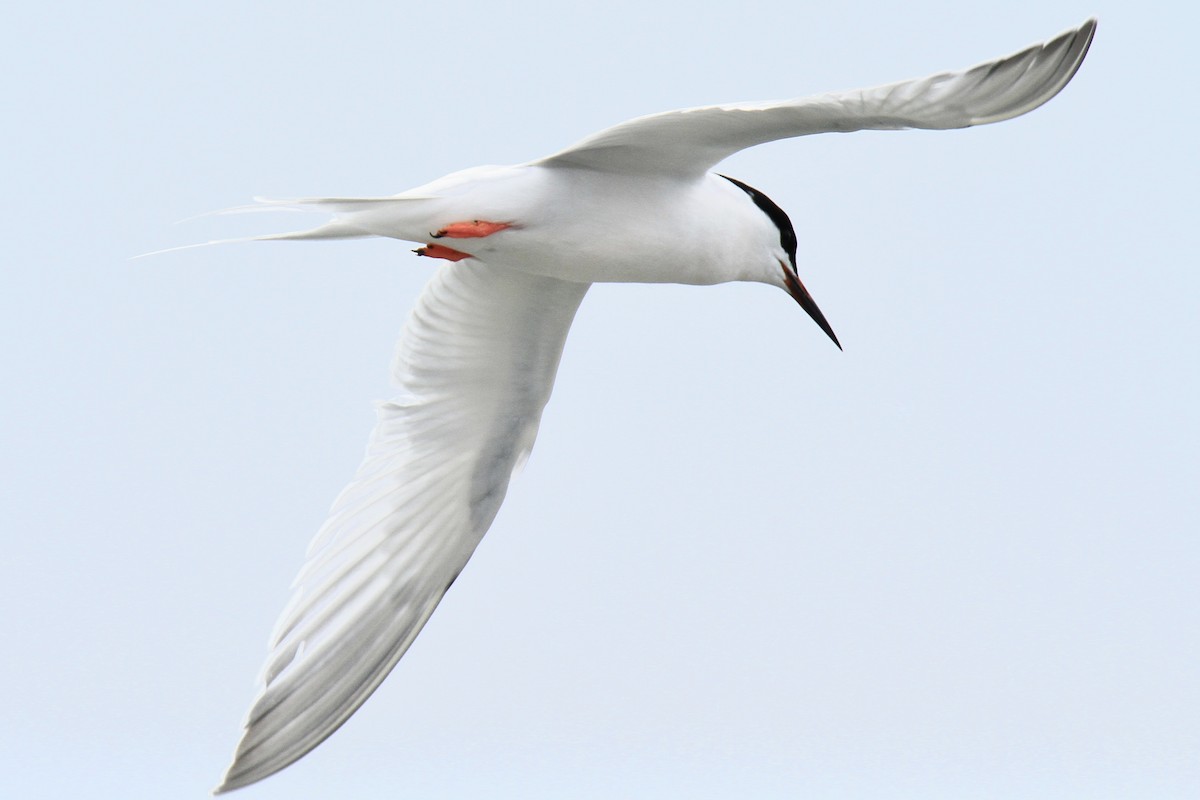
x,y
231,781
227,784
1081,43
226,787
1088,32
1088,29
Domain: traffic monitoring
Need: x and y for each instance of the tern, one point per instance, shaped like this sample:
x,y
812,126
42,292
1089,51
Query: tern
x,y
477,357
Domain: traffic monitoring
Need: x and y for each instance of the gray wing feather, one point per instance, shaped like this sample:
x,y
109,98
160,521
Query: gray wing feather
x,y
475,365
692,141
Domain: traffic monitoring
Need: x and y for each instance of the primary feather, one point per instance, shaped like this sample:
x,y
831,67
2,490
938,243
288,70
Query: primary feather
x,y
475,367
693,140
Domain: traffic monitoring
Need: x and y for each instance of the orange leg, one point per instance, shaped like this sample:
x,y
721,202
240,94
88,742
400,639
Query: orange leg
x,y
438,251
475,229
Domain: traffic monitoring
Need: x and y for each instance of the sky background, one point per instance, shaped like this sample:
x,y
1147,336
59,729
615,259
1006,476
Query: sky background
x,y
958,560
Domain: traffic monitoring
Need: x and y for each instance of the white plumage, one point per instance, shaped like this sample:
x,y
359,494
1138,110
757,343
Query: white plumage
x,y
478,355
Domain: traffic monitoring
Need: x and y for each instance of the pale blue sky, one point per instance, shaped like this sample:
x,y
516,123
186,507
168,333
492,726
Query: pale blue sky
x,y
958,560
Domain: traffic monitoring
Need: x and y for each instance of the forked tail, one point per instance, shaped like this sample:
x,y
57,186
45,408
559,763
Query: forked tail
x,y
353,218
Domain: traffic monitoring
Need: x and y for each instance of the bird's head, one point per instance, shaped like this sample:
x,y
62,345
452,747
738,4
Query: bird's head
x,y
785,255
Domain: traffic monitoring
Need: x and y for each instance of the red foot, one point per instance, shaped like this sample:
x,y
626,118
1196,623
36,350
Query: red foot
x,y
438,251
475,229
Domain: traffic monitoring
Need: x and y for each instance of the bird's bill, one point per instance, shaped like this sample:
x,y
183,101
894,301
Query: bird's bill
x,y
796,289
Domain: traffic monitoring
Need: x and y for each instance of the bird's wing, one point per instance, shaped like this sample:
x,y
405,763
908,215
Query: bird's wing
x,y
476,363
692,141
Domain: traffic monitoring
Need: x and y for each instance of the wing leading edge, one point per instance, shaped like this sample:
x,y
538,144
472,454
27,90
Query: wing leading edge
x,y
691,141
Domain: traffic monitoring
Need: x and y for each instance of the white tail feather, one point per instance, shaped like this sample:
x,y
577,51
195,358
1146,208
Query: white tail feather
x,y
334,229
330,230
336,203
341,227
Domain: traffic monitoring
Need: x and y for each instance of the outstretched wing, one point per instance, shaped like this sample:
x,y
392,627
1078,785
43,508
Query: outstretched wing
x,y
693,140
476,363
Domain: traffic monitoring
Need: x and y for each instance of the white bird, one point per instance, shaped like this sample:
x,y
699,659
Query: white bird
x,y
477,357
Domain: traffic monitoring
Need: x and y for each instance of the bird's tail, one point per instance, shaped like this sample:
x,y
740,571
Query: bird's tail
x,y
353,218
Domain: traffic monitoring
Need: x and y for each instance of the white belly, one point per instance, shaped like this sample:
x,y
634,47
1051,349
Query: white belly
x,y
590,226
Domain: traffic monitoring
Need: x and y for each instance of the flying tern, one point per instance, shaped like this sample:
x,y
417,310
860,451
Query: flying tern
x,y
477,357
